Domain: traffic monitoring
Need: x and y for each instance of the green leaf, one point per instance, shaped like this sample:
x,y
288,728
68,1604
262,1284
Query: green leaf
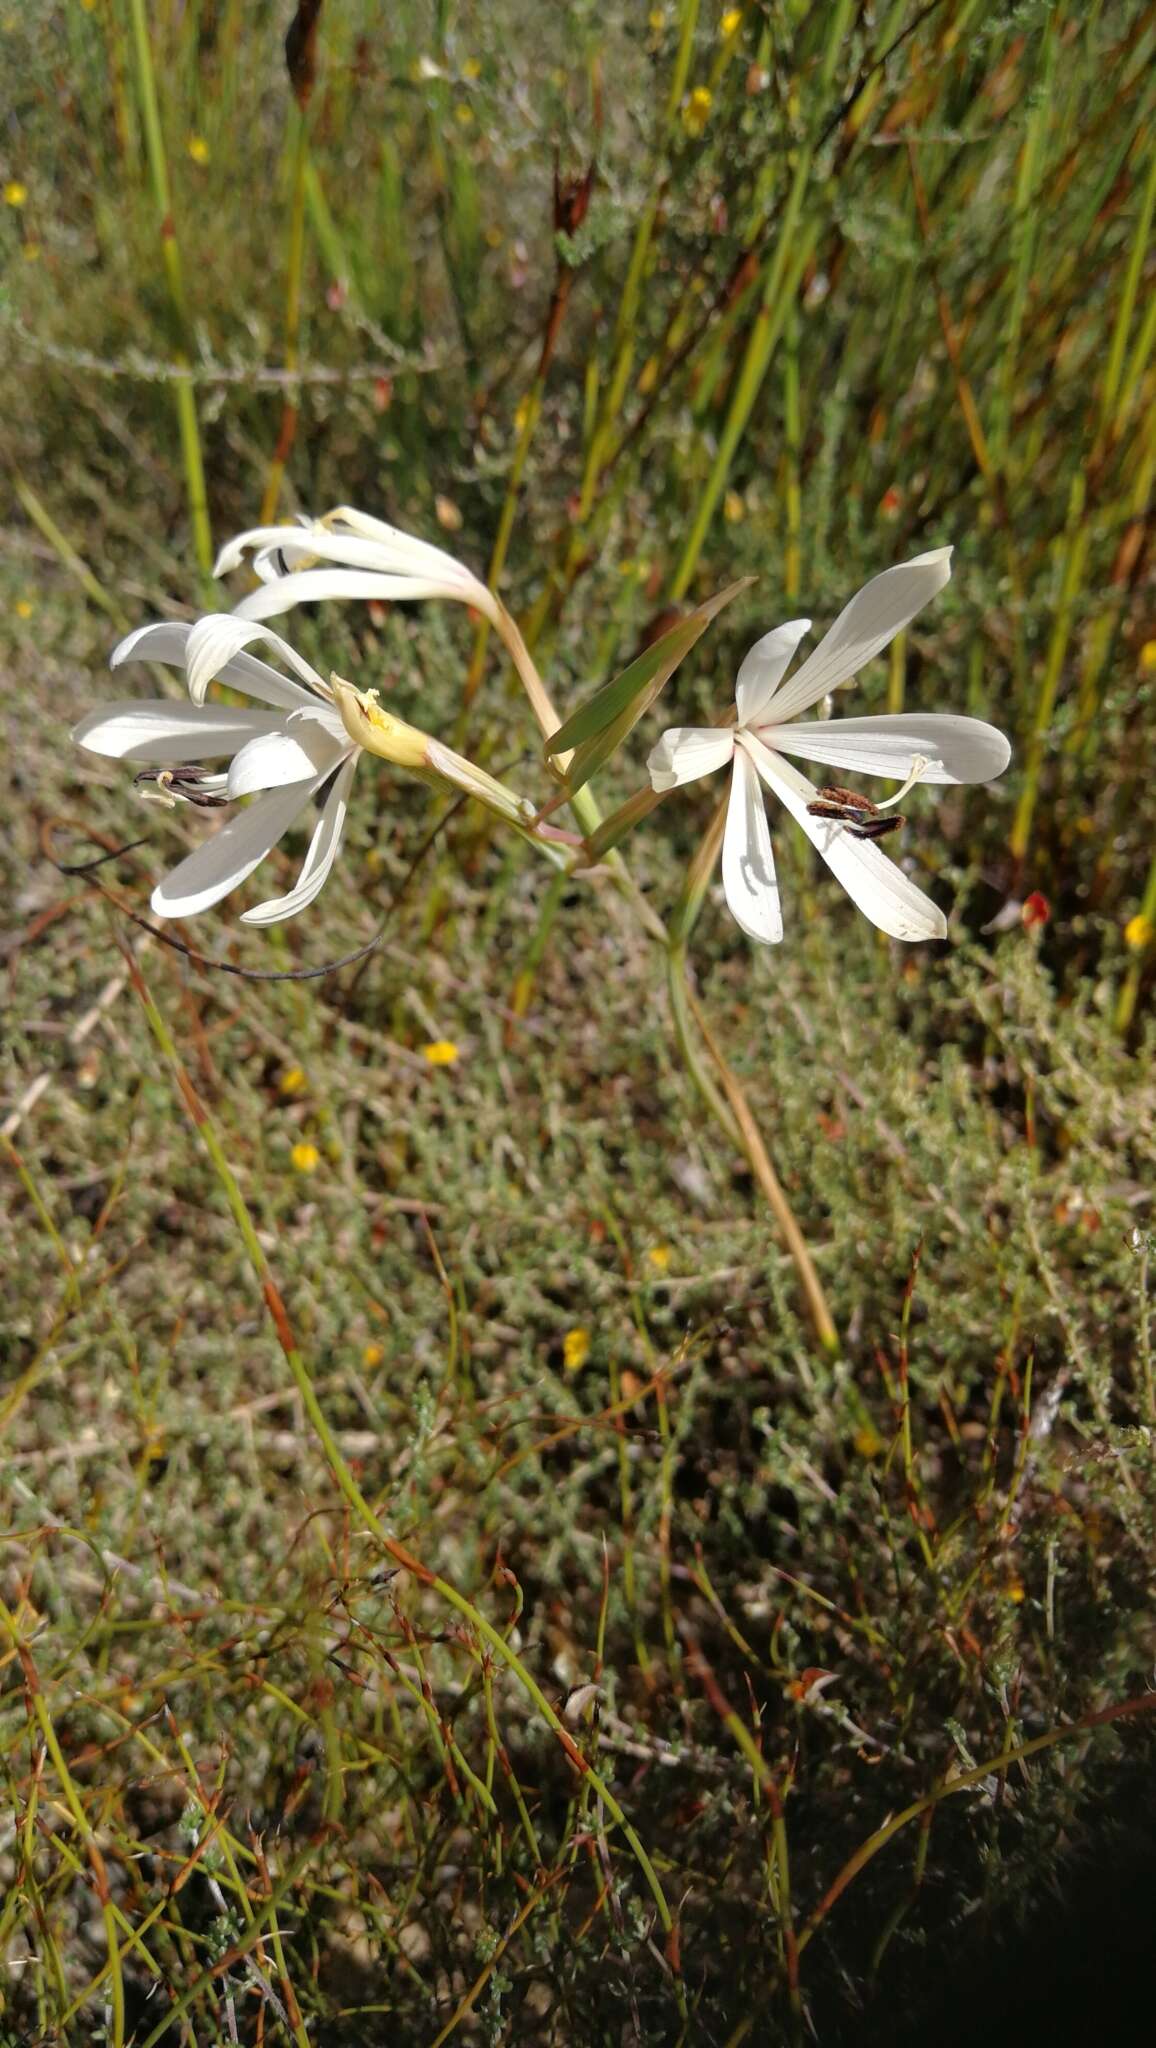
x,y
602,723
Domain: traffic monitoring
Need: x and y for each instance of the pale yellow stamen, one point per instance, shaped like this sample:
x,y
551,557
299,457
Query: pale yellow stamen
x,y
919,768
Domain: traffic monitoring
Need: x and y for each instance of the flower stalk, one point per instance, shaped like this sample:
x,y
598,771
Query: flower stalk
x,y
377,731
731,1109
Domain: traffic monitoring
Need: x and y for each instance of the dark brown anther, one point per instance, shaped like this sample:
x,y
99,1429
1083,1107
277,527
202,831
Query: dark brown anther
x,y
183,784
846,799
878,828
862,818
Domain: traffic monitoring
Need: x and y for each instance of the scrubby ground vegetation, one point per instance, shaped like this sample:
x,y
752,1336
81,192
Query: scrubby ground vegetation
x,y
860,1646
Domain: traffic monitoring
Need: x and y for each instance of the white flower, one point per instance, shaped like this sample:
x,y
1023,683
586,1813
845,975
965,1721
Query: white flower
x,y
283,756
904,748
348,554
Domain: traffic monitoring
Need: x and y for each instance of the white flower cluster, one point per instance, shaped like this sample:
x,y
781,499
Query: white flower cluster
x,y
303,737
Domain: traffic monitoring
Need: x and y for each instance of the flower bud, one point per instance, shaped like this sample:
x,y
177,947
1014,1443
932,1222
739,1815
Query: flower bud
x,y
378,731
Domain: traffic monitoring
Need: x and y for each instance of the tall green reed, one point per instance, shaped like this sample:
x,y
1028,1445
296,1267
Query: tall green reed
x,y
183,389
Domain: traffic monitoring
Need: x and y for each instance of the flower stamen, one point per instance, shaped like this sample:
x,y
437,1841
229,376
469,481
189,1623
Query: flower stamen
x,y
182,785
864,819
919,767
848,807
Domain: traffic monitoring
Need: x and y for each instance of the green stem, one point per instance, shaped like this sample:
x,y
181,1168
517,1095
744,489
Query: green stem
x,y
737,1120
731,1110
171,258
1077,538
1126,1000
63,548
791,256
1132,276
295,269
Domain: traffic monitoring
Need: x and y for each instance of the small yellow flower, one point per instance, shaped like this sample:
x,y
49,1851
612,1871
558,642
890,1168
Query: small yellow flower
x,y
198,149
471,68
575,1348
1148,657
1139,932
733,507
731,22
697,110
657,20
441,1053
306,1158
463,115
293,1081
659,1256
15,194
493,238
867,1441
24,608
1014,1591
372,1356
31,252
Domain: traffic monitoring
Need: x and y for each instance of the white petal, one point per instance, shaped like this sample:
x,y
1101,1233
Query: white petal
x,y
299,751
875,884
874,616
163,640
310,586
405,547
168,640
168,734
748,865
323,851
224,860
686,752
955,749
347,536
214,649
289,535
764,667
287,549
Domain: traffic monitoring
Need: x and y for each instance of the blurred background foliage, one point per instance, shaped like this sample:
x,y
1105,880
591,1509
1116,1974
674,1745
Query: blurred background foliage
x,y
622,305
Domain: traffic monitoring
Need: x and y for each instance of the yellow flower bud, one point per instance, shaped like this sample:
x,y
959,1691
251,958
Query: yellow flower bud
x,y
378,731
